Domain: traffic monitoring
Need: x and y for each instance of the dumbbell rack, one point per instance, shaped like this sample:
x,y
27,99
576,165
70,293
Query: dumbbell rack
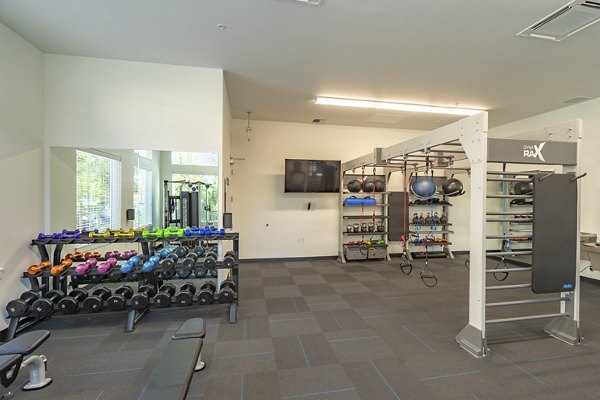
x,y
44,281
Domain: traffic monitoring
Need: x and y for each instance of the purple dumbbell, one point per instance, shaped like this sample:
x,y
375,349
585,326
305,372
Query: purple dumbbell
x,y
87,232
68,232
104,267
75,235
112,254
50,236
84,268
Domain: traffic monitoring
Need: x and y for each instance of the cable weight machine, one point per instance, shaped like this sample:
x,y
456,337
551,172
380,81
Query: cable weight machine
x,y
184,209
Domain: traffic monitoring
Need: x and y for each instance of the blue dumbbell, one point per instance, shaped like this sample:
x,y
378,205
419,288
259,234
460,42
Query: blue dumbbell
x,y
148,266
126,267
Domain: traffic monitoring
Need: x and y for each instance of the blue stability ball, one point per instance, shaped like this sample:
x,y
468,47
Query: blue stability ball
x,y
423,187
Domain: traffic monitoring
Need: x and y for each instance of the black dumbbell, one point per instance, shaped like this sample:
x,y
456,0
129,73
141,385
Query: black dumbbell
x,y
118,301
190,260
229,259
200,271
184,271
206,294
163,297
70,304
185,297
199,251
210,260
141,300
168,274
226,291
181,251
214,273
169,262
44,306
95,302
20,307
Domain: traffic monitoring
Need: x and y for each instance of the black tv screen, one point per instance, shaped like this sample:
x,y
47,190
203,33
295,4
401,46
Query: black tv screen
x,y
312,176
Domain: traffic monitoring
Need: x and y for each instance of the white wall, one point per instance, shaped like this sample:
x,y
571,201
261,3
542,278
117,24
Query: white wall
x,y
100,103
21,155
275,224
589,112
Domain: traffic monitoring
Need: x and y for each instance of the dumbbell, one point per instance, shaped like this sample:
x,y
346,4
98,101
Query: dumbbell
x,y
106,266
229,259
118,301
128,254
130,264
200,271
70,304
169,262
76,235
50,236
206,294
129,234
155,233
226,291
172,231
60,269
20,307
210,260
181,251
199,251
185,297
43,306
150,265
68,232
91,254
112,254
141,300
74,256
85,267
36,269
187,266
95,302
105,234
163,297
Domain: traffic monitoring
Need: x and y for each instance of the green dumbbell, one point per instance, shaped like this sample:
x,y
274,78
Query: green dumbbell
x,y
154,233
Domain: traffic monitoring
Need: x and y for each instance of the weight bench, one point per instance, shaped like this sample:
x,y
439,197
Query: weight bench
x,y
11,361
172,376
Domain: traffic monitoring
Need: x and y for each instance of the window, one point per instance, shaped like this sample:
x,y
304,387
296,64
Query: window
x,y
147,154
209,197
142,197
98,192
199,159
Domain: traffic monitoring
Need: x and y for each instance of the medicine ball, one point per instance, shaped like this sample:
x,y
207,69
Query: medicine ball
x,y
452,187
354,186
379,185
368,186
523,187
423,187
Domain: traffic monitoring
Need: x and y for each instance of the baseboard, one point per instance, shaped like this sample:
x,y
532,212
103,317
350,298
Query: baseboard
x,y
284,259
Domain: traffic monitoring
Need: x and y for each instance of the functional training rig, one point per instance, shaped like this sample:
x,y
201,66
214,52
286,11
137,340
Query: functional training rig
x,y
557,148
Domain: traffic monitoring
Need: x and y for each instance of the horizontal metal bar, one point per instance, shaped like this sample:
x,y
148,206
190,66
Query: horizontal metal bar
x,y
509,213
525,318
509,180
509,196
522,269
509,253
527,301
517,286
518,172
507,237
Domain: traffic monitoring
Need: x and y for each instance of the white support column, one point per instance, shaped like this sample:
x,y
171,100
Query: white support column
x,y
474,141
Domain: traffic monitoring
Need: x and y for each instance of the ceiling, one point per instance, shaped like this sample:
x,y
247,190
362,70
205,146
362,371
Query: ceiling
x,y
278,54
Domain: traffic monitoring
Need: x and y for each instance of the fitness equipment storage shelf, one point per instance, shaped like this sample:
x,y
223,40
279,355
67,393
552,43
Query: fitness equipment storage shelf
x,y
365,233
430,231
430,205
137,239
365,217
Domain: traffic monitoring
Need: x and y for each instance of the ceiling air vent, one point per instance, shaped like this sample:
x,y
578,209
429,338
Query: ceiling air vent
x,y
575,100
565,21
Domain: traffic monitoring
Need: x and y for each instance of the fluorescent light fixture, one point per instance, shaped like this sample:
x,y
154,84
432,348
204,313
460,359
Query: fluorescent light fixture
x,y
566,21
381,105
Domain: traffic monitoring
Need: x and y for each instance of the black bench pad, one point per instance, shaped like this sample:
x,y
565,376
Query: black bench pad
x,y
7,364
171,377
192,328
25,344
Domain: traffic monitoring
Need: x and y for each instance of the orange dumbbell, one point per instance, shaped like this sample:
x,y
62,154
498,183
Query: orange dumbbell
x,y
91,254
36,269
74,256
60,269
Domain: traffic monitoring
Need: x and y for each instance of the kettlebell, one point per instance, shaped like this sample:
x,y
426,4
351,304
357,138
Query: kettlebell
x,y
444,218
380,227
415,219
436,218
371,227
364,227
349,228
356,228
428,219
421,219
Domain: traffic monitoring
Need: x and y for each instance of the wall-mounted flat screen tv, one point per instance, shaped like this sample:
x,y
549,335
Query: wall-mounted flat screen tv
x,y
312,176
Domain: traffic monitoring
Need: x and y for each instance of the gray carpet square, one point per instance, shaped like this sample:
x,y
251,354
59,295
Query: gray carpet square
x,y
315,289
286,305
303,271
278,281
293,324
260,386
277,292
308,280
317,350
306,382
289,353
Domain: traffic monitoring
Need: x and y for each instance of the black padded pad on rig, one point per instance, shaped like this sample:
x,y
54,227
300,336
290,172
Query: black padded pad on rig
x,y
192,328
171,378
554,260
25,344
9,368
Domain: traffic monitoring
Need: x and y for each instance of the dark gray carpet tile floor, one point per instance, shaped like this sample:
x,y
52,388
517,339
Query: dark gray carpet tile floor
x,y
319,329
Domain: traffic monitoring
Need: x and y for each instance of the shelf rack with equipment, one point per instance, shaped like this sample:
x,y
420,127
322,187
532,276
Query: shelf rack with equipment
x,y
364,216
44,281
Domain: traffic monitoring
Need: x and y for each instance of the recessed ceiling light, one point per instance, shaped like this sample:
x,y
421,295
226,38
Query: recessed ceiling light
x,y
381,105
221,26
308,2
566,21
